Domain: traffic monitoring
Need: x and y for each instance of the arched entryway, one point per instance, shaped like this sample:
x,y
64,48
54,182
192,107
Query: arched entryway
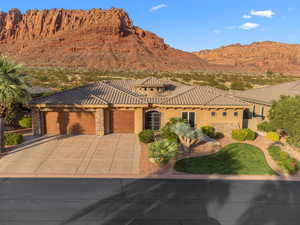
x,y
152,120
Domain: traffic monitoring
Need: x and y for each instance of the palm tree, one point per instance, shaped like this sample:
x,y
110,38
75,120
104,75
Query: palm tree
x,y
13,89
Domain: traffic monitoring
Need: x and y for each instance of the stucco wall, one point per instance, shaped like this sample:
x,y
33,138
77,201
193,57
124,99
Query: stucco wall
x,y
204,117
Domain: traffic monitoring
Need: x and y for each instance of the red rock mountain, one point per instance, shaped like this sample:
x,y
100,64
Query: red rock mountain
x,y
257,57
105,39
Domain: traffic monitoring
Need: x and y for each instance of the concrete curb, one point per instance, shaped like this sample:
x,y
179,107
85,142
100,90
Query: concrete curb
x,y
170,176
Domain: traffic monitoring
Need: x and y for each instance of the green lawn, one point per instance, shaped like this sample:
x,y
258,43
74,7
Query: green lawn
x,y
235,158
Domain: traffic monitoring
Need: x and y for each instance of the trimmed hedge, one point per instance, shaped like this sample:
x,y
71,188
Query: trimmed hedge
x,y
273,136
209,131
243,134
146,136
251,135
13,139
283,159
25,122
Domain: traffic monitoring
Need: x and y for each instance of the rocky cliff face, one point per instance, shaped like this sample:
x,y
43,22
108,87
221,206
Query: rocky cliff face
x,y
257,57
104,39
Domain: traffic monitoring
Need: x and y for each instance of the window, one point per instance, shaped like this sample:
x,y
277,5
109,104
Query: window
x,y
224,114
235,114
213,114
190,117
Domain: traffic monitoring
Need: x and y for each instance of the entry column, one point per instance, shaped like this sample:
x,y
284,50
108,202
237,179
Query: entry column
x,y
99,120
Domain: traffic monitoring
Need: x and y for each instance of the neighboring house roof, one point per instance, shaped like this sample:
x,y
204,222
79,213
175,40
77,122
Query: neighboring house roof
x,y
35,90
266,95
124,92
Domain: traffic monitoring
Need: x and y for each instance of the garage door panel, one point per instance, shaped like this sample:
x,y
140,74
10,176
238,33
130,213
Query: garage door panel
x,y
122,121
70,123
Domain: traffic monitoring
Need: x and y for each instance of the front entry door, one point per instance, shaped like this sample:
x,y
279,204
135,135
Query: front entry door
x,y
152,120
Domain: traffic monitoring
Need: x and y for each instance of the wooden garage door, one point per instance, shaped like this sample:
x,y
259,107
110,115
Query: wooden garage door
x,y
70,123
122,121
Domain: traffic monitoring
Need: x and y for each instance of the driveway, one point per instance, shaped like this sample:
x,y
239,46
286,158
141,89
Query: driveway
x,y
76,155
148,202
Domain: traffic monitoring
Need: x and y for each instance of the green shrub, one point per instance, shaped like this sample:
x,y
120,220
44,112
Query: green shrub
x,y
146,136
219,135
163,151
166,132
239,135
283,159
273,136
266,127
209,131
25,122
251,135
243,134
13,139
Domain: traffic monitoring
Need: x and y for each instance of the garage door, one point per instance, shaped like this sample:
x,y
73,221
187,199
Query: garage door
x,y
122,121
70,123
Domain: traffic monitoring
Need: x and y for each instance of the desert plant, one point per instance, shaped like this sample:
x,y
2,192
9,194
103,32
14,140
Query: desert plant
x,y
209,131
187,135
273,136
163,151
166,132
146,136
13,138
25,122
13,89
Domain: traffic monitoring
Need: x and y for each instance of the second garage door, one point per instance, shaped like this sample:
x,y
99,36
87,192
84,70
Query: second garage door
x,y
122,121
70,123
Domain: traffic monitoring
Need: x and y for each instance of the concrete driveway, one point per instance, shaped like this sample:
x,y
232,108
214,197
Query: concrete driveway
x,y
76,155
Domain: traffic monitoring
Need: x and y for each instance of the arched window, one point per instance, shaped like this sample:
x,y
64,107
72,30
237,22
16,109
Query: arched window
x,y
152,120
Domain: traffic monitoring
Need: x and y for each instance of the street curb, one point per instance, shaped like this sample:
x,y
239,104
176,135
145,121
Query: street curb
x,y
176,177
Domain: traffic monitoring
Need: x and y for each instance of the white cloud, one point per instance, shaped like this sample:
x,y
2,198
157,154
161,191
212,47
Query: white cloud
x,y
217,31
158,7
249,26
264,13
246,16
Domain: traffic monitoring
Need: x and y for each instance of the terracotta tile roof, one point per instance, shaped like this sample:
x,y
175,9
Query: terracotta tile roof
x,y
150,82
266,95
203,95
124,92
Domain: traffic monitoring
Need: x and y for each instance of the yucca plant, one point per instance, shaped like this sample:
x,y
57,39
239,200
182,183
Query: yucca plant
x,y
163,151
187,135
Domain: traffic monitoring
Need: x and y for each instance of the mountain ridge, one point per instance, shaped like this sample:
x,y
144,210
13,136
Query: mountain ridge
x,y
256,57
96,38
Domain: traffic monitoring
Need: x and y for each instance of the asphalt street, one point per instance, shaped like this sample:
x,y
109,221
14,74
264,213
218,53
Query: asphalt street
x,y
148,202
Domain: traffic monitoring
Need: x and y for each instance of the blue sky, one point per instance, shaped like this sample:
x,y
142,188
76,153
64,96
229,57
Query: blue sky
x,y
197,24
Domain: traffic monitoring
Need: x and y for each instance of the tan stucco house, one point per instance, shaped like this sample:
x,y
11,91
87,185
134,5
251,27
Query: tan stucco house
x,y
129,106
261,100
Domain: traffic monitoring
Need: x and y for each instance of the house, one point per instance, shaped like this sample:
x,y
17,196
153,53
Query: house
x,y
129,106
261,100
